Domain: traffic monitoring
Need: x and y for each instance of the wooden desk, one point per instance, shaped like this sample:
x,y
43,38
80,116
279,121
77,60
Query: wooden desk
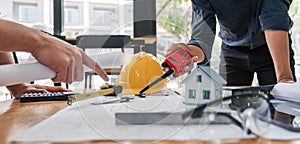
x,y
16,117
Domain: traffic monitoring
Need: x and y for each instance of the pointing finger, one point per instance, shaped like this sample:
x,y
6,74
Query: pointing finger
x,y
94,66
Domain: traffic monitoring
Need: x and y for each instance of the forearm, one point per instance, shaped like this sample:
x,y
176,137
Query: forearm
x,y
278,44
16,37
67,60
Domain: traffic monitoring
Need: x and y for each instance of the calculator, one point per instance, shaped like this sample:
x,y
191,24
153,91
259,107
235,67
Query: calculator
x,y
50,96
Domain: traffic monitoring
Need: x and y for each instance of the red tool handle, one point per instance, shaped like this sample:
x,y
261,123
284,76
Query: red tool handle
x,y
178,59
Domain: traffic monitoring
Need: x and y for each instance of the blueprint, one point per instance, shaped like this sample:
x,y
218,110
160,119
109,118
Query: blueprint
x,y
84,121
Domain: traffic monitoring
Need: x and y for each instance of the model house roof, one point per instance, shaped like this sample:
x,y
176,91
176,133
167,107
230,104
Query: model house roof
x,y
208,72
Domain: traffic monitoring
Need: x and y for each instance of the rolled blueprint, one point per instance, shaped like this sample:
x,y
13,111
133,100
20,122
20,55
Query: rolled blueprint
x,y
287,91
16,73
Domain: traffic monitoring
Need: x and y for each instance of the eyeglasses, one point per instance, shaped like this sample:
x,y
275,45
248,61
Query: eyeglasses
x,y
252,111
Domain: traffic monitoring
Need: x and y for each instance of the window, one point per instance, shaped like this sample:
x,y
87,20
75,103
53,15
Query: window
x,y
25,12
110,18
192,94
103,17
206,94
199,78
218,93
71,15
128,14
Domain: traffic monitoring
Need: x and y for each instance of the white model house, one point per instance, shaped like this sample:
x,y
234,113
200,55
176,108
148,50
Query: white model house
x,y
203,84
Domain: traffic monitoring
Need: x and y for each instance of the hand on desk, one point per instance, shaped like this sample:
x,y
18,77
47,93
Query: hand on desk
x,y
20,89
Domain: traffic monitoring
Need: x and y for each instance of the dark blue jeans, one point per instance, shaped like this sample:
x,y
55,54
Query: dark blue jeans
x,y
239,63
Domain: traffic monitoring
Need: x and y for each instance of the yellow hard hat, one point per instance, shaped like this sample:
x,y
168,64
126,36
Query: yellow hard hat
x,y
142,69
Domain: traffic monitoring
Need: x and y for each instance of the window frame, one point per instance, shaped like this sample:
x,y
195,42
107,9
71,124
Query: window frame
x,y
206,94
17,13
199,78
192,93
74,6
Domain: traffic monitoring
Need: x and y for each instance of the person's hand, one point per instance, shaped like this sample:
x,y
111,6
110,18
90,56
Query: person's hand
x,y
186,68
20,89
65,59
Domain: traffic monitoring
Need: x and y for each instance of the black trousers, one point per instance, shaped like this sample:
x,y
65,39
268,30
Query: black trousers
x,y
239,63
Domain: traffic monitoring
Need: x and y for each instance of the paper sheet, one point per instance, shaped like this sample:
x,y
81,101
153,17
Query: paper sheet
x,y
85,122
287,98
287,91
